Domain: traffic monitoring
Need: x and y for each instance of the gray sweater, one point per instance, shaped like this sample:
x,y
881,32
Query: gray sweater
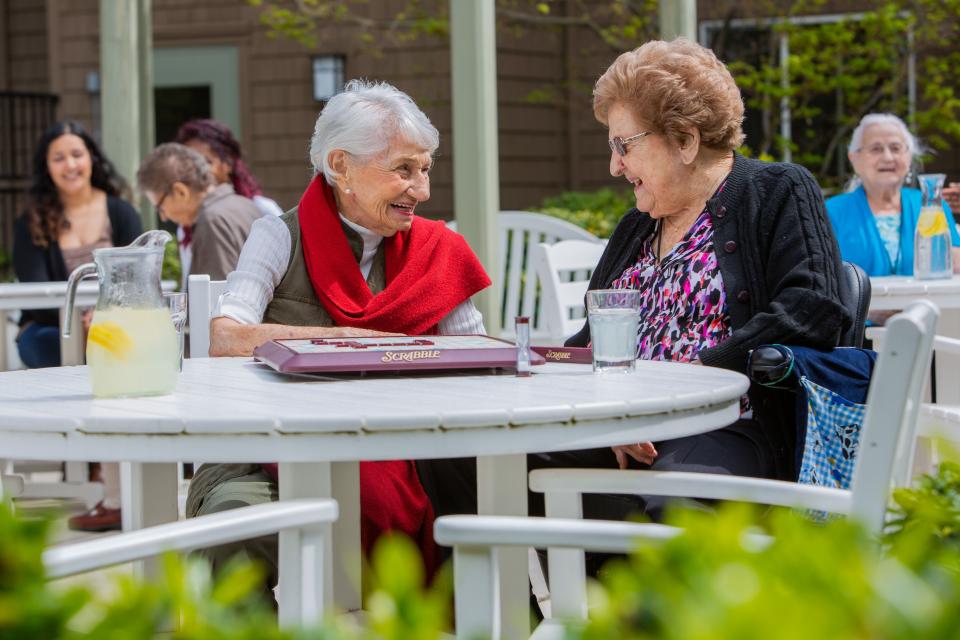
x,y
219,232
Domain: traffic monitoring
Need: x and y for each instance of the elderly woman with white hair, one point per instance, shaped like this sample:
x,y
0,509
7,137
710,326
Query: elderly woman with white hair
x,y
352,258
876,222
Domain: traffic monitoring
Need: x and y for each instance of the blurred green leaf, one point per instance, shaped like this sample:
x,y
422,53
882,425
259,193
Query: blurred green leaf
x,y
6,266
171,269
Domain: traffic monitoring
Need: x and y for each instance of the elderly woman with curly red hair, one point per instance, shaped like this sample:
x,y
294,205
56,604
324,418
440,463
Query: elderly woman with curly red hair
x,y
728,252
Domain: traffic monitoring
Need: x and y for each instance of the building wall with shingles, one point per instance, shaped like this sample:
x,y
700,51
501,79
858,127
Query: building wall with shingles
x,y
277,108
547,144
23,48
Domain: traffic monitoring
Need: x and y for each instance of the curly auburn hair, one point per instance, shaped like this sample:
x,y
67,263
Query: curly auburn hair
x,y
45,213
220,139
672,87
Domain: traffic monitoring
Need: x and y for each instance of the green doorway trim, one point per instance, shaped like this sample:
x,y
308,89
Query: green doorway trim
x,y
215,66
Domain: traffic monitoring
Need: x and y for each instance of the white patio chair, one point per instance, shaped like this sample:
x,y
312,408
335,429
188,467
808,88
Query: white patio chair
x,y
519,232
74,485
939,421
309,519
202,296
564,271
886,448
10,360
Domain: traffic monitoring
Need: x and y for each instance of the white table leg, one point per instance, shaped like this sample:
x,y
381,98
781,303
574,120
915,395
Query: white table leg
x,y
76,471
4,358
948,365
342,552
948,389
148,496
502,490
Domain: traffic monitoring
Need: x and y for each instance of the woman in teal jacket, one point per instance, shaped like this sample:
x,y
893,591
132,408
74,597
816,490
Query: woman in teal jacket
x,y
875,223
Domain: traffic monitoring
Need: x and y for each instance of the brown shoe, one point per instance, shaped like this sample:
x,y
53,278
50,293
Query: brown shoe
x,y
100,518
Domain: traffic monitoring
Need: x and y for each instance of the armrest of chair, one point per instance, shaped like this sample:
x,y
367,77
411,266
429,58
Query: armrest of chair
x,y
196,533
476,579
690,485
946,345
476,575
942,344
514,531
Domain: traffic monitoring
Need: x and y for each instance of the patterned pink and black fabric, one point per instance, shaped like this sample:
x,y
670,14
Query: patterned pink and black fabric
x,y
683,306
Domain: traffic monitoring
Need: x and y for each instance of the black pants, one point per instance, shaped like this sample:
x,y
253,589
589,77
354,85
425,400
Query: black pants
x,y
740,449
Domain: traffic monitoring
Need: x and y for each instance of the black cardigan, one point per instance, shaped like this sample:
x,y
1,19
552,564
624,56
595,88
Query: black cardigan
x,y
33,263
780,265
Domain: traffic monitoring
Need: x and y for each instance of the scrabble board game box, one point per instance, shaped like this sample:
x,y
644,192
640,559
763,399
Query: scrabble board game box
x,y
393,353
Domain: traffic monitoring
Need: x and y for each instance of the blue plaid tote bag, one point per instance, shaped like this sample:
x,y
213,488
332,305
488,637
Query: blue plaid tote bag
x,y
832,437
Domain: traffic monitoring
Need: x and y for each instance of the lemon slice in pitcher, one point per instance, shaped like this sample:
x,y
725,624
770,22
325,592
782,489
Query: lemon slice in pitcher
x,y
932,222
112,337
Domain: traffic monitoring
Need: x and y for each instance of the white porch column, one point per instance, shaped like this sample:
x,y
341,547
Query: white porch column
x,y
678,18
476,179
125,80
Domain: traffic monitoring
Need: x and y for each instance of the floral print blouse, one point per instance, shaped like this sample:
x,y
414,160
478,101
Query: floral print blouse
x,y
683,305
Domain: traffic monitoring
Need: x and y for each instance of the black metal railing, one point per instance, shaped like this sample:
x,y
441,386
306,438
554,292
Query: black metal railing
x,y
23,119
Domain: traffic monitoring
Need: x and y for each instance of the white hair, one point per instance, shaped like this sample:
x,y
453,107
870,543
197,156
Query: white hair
x,y
856,140
363,120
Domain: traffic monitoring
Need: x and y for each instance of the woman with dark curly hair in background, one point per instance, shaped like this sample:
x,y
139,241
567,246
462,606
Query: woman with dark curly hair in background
x,y
75,207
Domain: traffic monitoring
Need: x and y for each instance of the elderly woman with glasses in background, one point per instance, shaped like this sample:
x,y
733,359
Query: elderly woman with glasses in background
x,y
875,223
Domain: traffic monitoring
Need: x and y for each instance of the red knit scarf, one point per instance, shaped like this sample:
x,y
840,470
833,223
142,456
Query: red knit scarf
x,y
429,269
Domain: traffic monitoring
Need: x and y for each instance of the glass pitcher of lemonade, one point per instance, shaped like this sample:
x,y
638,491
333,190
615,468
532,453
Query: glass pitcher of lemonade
x,y
132,347
932,257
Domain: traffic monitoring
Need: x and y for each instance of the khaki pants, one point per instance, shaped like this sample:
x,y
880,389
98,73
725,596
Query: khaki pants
x,y
213,490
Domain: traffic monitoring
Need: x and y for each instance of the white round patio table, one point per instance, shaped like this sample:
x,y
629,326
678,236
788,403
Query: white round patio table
x,y
237,410
896,292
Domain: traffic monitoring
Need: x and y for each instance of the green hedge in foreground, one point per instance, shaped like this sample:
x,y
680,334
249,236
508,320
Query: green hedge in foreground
x,y
815,581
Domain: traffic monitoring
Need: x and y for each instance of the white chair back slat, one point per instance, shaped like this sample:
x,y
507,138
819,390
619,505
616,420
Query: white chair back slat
x,y
564,271
528,305
520,232
893,402
513,279
202,297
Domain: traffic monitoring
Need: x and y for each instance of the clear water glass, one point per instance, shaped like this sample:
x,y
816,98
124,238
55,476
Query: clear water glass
x,y
614,316
177,304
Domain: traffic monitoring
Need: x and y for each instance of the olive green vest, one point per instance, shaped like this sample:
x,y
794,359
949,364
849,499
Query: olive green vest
x,y
294,300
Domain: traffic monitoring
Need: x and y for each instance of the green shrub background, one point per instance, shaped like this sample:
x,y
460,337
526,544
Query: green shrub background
x,y
596,211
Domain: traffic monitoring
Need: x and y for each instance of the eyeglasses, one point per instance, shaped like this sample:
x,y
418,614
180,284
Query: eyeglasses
x,y
619,144
876,150
159,205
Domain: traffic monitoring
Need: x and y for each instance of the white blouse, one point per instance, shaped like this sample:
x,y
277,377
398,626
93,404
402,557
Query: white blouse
x,y
263,263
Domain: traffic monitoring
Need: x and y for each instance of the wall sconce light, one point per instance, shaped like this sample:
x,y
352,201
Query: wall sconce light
x,y
327,77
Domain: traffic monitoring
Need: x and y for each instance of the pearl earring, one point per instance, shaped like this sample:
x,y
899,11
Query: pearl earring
x,y
347,190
